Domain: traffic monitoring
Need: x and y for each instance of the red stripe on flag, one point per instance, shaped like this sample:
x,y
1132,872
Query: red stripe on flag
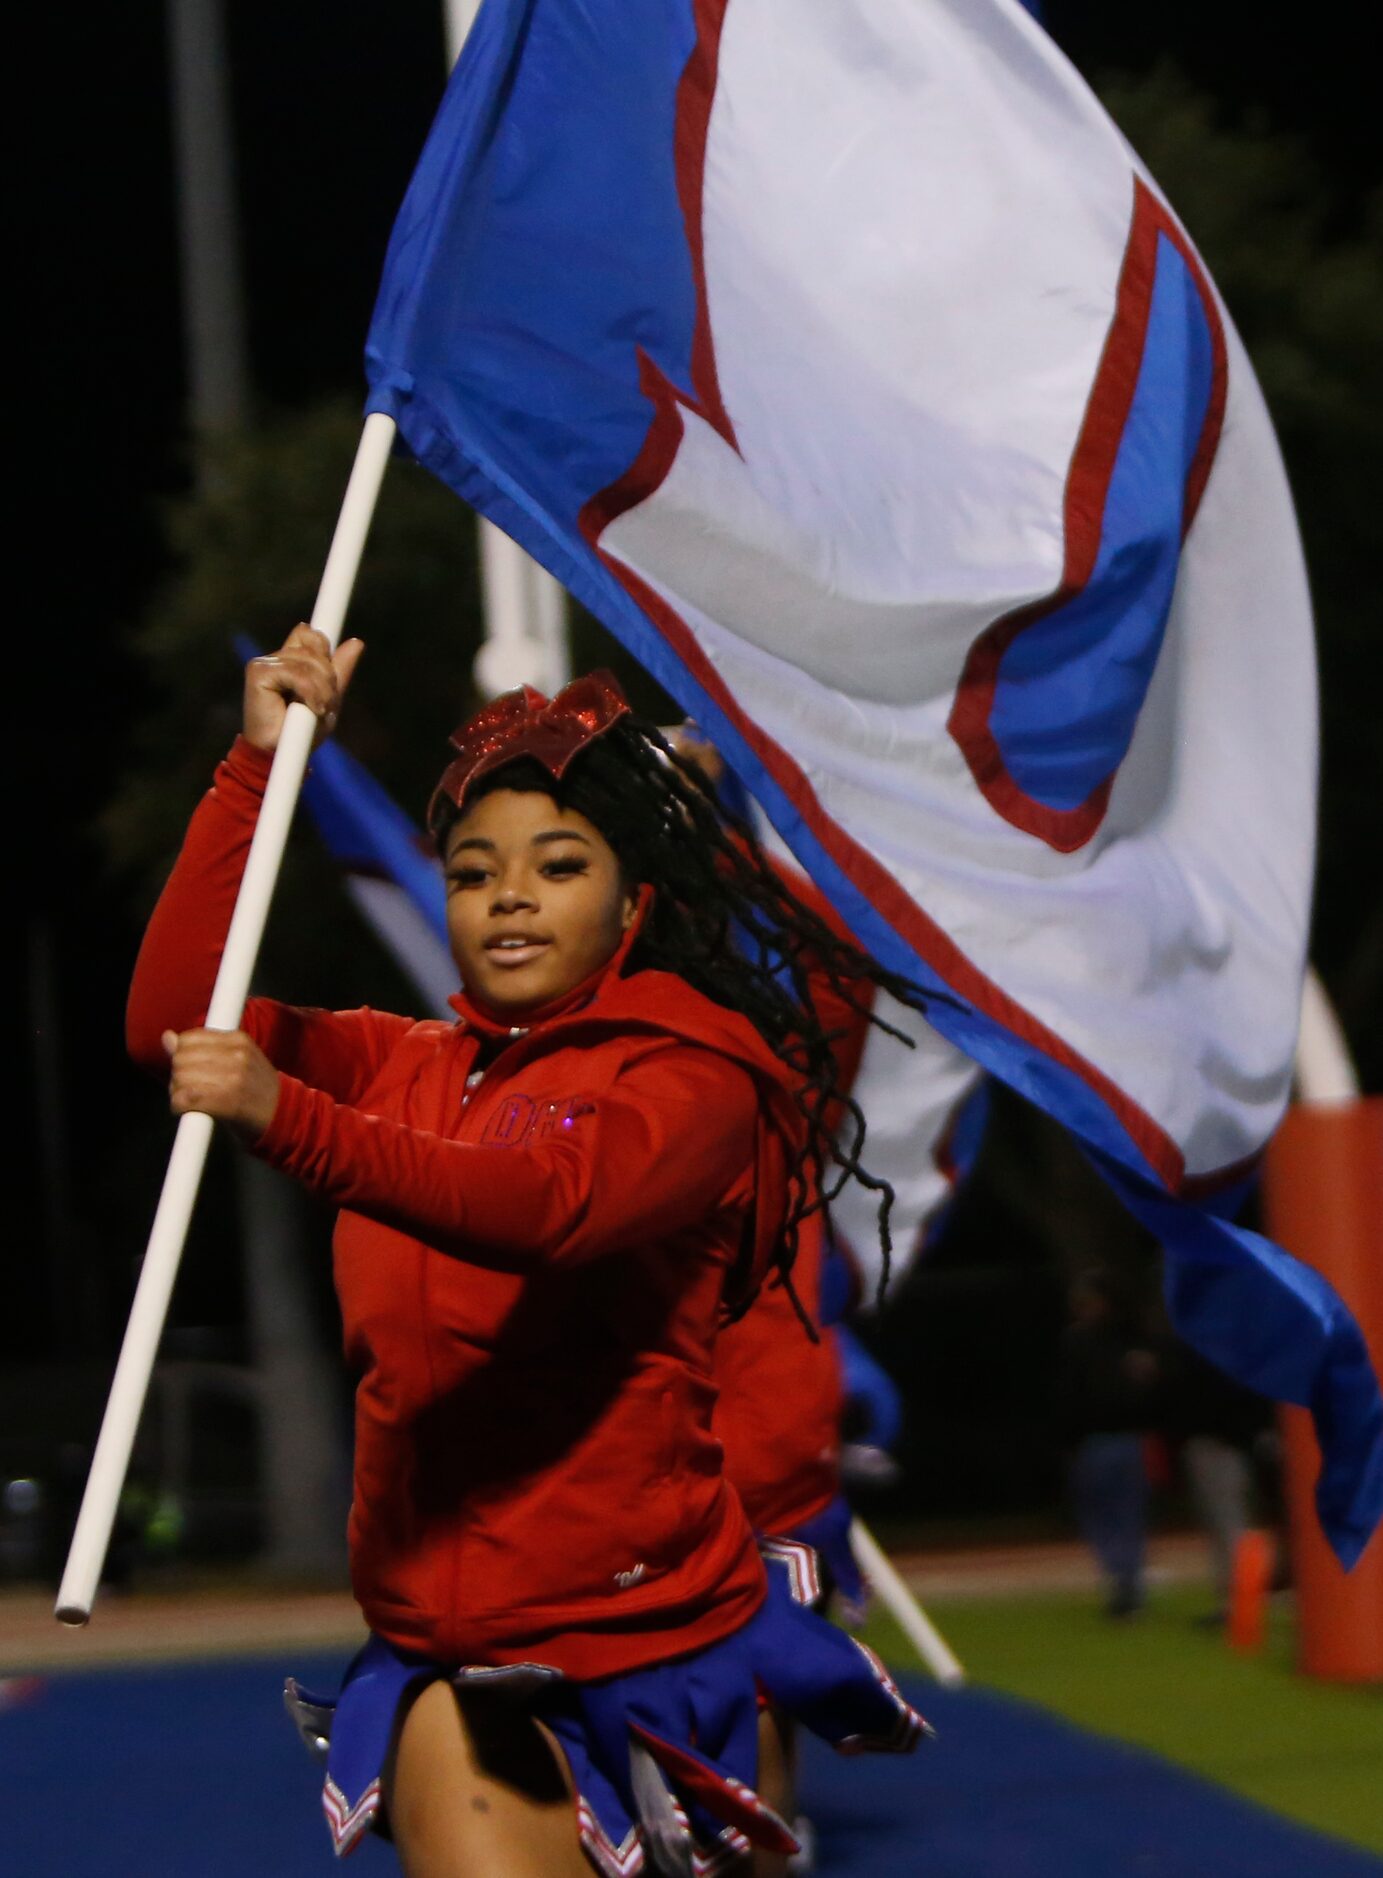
x,y
695,99
1087,489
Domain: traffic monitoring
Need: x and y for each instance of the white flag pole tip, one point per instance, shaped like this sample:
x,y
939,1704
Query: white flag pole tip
x,y
893,1593
111,1460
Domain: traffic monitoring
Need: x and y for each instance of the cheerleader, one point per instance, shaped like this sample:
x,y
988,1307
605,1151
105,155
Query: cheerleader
x,y
545,1212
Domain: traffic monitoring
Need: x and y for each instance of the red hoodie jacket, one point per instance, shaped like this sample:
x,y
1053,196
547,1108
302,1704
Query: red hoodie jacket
x,y
779,1401
535,1232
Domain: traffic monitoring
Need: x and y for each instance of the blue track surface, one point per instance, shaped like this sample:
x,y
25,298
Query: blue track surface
x,y
192,1772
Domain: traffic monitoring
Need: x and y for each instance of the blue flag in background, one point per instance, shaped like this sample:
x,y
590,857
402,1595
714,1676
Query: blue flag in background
x,y
369,833
390,873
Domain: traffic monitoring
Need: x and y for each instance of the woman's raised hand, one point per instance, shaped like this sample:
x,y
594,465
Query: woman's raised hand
x,y
302,671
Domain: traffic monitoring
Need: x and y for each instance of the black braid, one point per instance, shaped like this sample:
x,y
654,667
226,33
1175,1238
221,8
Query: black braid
x,y
724,919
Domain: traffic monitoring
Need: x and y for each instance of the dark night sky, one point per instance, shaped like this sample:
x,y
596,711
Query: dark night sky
x,y
331,105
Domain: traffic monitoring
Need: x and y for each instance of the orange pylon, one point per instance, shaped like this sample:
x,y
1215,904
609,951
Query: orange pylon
x,y
1248,1592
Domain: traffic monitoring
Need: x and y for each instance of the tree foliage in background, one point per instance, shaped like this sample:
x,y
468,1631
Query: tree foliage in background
x,y
248,548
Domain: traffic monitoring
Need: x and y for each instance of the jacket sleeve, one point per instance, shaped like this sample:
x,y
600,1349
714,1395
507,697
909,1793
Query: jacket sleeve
x,y
338,1051
651,1156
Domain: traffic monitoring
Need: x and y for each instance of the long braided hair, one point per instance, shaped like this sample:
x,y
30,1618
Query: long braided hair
x,y
724,919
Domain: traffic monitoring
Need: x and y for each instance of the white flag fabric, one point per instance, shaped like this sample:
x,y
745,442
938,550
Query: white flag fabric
x,y
926,1110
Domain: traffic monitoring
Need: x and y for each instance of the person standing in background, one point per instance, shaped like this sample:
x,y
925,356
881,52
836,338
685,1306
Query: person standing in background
x,y
1111,1378
1220,1426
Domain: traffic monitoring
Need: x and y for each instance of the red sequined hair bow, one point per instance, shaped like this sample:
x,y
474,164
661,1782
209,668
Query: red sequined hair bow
x,y
524,723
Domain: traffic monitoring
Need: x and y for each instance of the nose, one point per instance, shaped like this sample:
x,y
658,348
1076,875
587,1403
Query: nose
x,y
510,895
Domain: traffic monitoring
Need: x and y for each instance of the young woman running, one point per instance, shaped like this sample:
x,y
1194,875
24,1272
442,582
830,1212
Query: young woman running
x,y
546,1209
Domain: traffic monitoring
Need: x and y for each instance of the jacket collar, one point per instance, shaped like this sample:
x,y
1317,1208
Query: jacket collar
x,y
495,1026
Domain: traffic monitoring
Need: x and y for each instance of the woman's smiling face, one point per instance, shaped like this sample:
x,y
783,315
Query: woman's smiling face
x,y
535,899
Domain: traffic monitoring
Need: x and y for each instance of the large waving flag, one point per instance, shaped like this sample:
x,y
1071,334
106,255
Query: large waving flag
x,y
844,360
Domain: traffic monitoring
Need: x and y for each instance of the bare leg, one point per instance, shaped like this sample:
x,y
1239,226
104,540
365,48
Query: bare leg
x,y
476,1791
777,1784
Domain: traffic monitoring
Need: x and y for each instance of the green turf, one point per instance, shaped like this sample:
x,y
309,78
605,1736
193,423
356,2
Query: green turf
x,y
1311,1750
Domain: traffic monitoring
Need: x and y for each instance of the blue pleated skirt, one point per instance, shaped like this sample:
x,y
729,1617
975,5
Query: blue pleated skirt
x,y
663,1760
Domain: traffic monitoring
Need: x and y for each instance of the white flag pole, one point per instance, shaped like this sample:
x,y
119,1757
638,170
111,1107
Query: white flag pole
x,y
1324,1071
111,1460
903,1608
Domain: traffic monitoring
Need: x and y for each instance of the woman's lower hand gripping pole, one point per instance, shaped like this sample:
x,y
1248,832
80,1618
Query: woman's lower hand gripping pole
x,y
223,1074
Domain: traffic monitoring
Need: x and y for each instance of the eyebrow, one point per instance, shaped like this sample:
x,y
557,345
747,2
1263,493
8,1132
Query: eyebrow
x,y
538,840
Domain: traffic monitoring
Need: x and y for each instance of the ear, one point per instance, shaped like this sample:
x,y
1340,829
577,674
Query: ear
x,y
636,898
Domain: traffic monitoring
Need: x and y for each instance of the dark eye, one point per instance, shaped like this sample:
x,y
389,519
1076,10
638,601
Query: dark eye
x,y
466,877
563,866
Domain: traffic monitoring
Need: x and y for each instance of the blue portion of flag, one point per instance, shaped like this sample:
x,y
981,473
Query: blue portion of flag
x,y
968,1132
961,1144
466,307
1272,1323
540,256
1068,697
